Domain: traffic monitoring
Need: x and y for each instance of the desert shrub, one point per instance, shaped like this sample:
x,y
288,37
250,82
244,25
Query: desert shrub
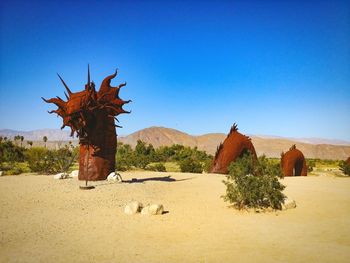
x,y
64,158
10,152
190,165
15,168
326,162
124,157
158,167
142,154
254,184
207,164
42,160
344,167
311,164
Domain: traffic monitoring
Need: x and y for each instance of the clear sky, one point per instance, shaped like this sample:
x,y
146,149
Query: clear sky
x,y
274,67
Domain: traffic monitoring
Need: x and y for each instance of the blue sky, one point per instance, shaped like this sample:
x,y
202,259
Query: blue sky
x,y
274,67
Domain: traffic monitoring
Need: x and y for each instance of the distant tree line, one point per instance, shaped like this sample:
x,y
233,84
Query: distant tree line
x,y
16,159
145,156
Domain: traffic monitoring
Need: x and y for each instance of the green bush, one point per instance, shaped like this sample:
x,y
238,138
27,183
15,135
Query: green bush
x,y
344,167
42,160
145,154
142,154
10,152
207,164
310,163
39,160
124,157
65,157
158,167
190,165
254,183
15,168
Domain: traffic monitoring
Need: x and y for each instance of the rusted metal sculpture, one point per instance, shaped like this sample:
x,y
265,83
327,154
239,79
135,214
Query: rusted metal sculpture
x,y
91,115
293,162
348,161
233,147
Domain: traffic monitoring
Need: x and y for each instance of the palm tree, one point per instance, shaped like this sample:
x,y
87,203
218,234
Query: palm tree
x,y
22,138
45,140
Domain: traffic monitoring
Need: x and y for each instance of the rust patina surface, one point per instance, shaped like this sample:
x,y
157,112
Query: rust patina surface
x,y
91,115
348,161
293,162
234,146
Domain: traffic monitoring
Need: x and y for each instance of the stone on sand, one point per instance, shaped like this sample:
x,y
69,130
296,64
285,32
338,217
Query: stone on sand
x,y
114,177
60,176
289,204
74,173
132,208
154,209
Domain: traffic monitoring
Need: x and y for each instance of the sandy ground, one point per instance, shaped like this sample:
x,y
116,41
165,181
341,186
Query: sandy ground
x,y
46,220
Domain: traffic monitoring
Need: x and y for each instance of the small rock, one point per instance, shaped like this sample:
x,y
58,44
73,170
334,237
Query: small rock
x,y
111,176
114,177
1,173
60,176
155,209
74,173
132,208
289,204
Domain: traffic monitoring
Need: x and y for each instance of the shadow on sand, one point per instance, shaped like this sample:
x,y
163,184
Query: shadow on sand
x,y
143,180
159,179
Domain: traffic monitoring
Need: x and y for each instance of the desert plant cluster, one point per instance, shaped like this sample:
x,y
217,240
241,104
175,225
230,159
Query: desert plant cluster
x,y
17,159
344,167
146,157
20,156
254,183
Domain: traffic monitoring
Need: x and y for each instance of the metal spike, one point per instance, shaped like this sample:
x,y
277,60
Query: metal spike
x,y
88,83
65,85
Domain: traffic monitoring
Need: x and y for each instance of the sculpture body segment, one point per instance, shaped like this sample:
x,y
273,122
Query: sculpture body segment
x,y
293,162
234,146
91,115
348,161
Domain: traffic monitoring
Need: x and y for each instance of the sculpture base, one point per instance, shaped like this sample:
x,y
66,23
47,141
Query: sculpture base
x,y
86,187
96,165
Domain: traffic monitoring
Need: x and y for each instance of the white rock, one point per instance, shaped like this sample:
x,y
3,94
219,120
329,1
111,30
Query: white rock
x,y
111,176
154,209
114,177
289,204
1,173
74,173
132,208
60,176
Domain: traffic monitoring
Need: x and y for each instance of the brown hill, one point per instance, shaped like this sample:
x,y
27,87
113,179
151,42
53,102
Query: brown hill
x,y
271,147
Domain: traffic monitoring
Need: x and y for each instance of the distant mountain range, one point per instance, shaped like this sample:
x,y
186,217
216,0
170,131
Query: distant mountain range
x,y
271,146
37,135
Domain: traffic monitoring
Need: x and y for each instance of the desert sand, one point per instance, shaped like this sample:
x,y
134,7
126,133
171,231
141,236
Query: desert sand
x,y
47,220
